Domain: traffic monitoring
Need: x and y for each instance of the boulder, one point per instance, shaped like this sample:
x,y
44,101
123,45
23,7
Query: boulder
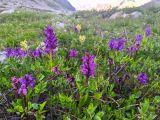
x,y
116,15
9,11
2,56
60,25
136,14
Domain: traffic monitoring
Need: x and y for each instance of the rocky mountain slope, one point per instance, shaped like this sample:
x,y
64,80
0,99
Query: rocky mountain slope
x,y
119,4
43,5
151,4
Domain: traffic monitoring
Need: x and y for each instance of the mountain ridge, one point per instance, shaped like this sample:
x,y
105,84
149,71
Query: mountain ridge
x,y
47,5
119,4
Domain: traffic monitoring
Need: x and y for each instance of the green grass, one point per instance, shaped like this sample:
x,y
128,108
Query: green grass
x,y
28,25
106,93
20,26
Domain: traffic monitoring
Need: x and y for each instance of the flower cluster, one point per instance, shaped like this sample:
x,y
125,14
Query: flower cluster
x,y
148,30
56,71
37,53
135,47
77,28
50,40
137,43
110,61
17,52
73,53
15,82
88,65
139,37
82,39
24,45
143,78
125,34
21,84
70,79
116,44
158,71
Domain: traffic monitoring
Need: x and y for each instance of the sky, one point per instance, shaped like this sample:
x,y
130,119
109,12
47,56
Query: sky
x,y
79,4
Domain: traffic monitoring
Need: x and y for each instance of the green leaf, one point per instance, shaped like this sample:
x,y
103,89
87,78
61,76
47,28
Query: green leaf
x,y
144,42
91,109
33,67
99,115
41,77
10,110
42,105
145,106
40,87
19,108
98,95
93,85
63,98
35,106
156,99
66,118
82,100
29,105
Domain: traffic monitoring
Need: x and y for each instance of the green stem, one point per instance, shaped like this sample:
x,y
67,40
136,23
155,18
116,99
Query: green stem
x,y
86,81
51,59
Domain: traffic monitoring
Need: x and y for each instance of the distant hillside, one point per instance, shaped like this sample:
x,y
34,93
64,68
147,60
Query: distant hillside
x,y
151,4
44,5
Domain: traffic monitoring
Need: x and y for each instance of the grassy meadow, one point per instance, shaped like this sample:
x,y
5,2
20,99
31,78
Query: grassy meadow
x,y
80,67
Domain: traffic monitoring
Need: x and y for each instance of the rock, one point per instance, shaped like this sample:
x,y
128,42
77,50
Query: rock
x,y
2,56
125,15
41,45
136,14
116,15
60,25
8,11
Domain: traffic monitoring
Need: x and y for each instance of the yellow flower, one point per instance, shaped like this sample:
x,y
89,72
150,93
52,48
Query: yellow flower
x,y
24,45
78,27
82,38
